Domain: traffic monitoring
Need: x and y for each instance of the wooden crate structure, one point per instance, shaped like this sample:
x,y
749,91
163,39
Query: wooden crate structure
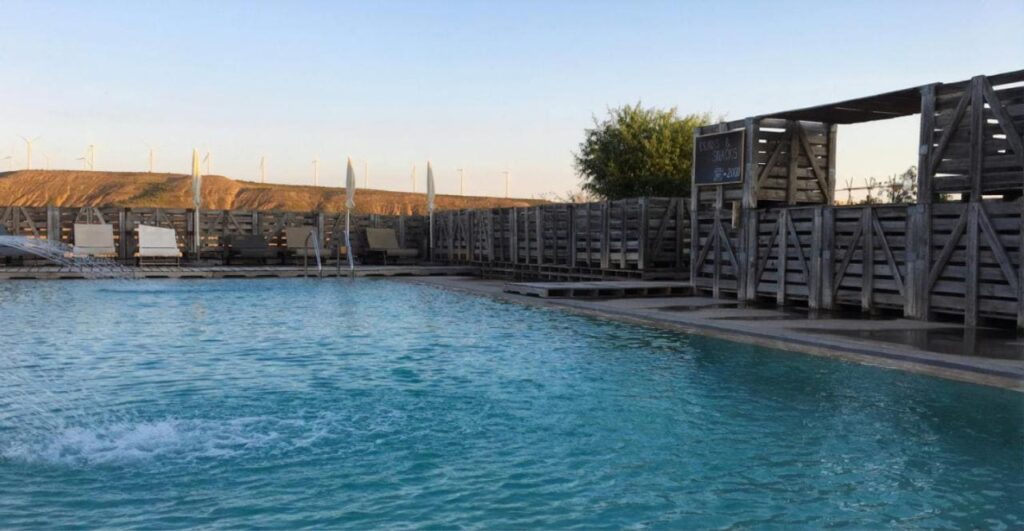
x,y
868,263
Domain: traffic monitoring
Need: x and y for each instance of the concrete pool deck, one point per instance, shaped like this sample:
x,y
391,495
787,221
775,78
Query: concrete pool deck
x,y
848,339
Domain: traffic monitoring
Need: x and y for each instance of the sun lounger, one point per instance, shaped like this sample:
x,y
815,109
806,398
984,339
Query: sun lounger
x,y
384,243
157,244
247,247
94,240
299,243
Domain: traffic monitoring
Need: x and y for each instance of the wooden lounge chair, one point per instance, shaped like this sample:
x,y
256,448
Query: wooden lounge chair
x,y
94,240
247,247
384,243
157,245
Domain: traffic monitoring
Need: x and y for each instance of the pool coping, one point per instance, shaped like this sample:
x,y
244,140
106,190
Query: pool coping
x,y
972,370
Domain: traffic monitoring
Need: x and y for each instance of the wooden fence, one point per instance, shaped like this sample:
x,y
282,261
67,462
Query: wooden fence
x,y
628,236
949,258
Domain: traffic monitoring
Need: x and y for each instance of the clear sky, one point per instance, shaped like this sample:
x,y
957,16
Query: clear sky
x,y
482,85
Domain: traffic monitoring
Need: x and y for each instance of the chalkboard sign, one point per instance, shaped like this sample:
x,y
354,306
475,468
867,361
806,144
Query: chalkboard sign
x,y
718,158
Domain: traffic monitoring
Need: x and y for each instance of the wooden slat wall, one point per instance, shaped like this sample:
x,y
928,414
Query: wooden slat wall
x,y
650,233
967,263
799,148
976,122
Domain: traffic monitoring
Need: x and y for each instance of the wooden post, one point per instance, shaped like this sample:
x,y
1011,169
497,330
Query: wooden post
x,y
827,256
694,226
977,137
605,235
783,264
751,226
867,286
122,242
451,235
926,138
539,229
681,227
717,229
571,209
623,235
833,131
514,235
641,257
52,223
1020,270
971,276
794,158
747,251
814,282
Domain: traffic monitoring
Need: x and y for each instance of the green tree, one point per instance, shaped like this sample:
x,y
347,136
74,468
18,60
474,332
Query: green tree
x,y
638,152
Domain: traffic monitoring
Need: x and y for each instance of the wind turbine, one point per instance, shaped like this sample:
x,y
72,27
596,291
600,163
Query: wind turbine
x,y
208,159
152,156
10,162
47,158
462,182
28,150
506,183
263,169
316,171
91,157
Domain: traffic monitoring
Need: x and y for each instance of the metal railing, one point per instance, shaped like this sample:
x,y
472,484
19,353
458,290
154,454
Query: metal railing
x,y
64,256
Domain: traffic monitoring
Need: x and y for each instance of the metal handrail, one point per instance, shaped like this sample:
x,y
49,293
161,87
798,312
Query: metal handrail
x,y
64,256
316,252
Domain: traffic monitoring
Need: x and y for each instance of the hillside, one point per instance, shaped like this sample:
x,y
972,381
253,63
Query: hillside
x,y
168,190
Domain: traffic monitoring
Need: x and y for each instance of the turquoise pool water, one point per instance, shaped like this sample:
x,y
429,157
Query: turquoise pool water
x,y
366,403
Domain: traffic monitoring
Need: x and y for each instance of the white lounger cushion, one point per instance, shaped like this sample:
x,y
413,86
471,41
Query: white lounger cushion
x,y
94,240
157,242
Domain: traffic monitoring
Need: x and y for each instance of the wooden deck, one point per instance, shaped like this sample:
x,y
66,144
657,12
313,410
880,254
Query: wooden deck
x,y
610,288
54,273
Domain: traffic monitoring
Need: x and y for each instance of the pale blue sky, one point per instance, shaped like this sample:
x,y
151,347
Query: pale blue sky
x,y
481,85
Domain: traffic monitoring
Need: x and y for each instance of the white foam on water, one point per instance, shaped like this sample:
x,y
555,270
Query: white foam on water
x,y
128,442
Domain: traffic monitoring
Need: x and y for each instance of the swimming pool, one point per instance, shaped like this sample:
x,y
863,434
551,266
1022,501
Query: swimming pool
x,y
374,403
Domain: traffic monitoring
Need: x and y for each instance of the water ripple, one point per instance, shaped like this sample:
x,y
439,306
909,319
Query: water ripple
x,y
364,404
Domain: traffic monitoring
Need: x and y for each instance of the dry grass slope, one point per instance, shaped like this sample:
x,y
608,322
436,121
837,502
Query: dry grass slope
x,y
168,190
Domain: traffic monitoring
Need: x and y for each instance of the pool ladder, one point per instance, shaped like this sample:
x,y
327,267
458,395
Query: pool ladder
x,y
316,253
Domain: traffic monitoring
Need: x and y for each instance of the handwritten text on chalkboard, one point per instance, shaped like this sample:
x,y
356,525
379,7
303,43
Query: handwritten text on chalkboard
x,y
719,158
